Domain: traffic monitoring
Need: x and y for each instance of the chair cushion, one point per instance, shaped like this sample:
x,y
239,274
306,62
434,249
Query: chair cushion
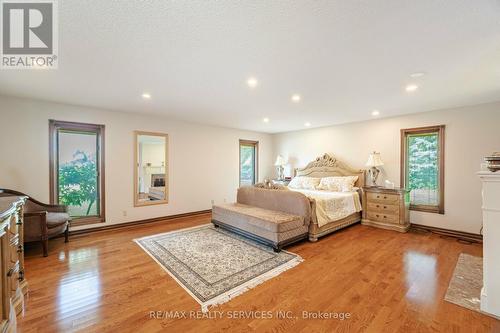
x,y
55,219
57,230
274,221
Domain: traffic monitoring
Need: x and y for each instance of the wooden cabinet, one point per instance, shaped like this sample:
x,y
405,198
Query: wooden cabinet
x,y
386,208
12,282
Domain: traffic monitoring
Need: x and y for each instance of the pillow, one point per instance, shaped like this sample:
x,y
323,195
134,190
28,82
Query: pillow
x,y
306,183
271,186
333,184
338,184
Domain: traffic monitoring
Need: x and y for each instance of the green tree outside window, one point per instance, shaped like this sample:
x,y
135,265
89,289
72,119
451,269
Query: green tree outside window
x,y
78,185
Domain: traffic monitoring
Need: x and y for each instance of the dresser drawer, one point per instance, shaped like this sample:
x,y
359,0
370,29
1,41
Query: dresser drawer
x,y
13,280
383,208
390,199
13,229
383,217
13,251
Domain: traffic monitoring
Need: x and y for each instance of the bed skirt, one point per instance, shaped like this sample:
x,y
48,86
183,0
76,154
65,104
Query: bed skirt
x,y
315,231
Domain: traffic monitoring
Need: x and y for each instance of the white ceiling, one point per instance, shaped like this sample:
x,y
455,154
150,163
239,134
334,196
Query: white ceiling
x,y
345,58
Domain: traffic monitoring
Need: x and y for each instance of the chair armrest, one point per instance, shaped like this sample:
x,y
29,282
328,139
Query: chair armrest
x,y
35,204
39,213
44,228
56,208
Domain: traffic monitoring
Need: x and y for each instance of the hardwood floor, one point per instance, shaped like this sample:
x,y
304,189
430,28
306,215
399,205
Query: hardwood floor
x,y
387,281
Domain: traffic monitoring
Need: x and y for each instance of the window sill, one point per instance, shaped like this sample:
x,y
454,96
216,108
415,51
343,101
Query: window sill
x,y
87,220
428,209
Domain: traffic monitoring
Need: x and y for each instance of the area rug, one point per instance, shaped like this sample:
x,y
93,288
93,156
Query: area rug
x,y
214,265
466,283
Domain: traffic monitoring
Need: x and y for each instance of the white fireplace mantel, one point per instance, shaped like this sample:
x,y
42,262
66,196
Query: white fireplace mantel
x,y
490,295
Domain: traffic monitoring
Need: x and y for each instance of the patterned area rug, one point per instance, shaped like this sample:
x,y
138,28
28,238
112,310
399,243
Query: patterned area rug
x,y
466,283
214,265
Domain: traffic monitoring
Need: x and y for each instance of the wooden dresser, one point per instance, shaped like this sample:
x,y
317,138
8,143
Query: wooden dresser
x,y
12,282
386,208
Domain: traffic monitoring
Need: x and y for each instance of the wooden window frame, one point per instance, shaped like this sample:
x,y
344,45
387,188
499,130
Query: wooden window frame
x,y
255,144
54,127
440,130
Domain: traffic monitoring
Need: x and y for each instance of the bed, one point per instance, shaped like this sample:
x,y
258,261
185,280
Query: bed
x,y
323,201
157,193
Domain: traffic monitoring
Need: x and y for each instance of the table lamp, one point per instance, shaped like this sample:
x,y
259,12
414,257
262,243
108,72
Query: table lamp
x,y
373,162
280,163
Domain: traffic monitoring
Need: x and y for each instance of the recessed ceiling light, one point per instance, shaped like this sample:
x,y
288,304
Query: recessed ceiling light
x,y
296,98
307,124
252,82
375,113
417,74
266,120
411,87
146,96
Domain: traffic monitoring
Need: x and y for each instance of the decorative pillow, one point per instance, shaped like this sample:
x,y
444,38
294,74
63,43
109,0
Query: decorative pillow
x,y
271,186
305,183
333,184
338,184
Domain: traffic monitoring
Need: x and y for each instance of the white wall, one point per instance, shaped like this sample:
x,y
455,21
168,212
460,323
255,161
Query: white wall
x,y
203,159
471,133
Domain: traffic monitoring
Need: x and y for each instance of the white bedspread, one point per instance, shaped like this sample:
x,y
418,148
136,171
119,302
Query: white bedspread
x,y
333,206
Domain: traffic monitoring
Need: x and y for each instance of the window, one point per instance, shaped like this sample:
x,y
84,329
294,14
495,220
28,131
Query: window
x,y
422,167
249,151
77,169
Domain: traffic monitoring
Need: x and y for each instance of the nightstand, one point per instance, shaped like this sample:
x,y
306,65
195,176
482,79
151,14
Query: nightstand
x,y
386,208
284,182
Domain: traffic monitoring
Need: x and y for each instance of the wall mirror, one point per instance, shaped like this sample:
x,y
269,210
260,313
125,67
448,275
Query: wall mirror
x,y
150,169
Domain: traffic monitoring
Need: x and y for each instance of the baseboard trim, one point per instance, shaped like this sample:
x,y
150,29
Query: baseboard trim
x,y
418,227
137,223
461,235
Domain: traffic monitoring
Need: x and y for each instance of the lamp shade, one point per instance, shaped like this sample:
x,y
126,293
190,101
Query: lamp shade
x,y
374,160
280,161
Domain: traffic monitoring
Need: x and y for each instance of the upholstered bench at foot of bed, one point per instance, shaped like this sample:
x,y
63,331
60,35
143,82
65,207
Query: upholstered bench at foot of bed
x,y
270,227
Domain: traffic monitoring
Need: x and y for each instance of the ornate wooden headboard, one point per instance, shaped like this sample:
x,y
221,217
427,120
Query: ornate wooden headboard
x,y
329,166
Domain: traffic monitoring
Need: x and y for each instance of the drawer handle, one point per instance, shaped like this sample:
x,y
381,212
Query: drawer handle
x,y
385,207
378,215
378,206
385,217
385,197
10,272
378,196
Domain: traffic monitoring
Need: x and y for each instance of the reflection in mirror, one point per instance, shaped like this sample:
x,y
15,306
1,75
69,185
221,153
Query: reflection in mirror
x,y
151,178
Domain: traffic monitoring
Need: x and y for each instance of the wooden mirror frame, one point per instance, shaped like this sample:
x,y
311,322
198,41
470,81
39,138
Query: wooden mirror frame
x,y
138,203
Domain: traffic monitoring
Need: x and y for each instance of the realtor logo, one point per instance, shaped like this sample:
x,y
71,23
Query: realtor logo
x,y
29,34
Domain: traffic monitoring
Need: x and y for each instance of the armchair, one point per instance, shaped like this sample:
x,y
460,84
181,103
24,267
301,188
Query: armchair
x,y
42,221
